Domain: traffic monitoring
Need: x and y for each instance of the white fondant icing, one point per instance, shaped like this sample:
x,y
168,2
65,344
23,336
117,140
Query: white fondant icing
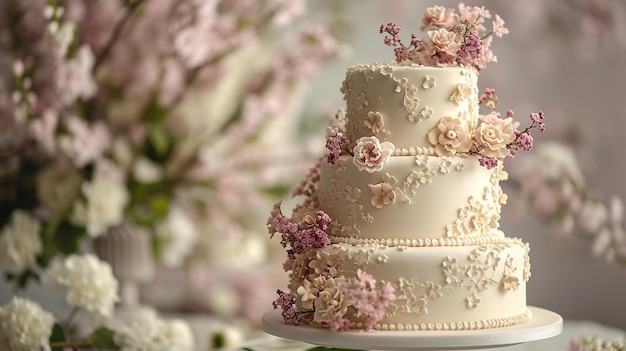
x,y
422,223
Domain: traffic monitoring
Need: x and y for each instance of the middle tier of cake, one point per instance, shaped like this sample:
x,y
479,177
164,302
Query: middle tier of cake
x,y
413,200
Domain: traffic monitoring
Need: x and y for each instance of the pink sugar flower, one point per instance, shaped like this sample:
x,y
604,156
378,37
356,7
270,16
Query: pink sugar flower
x,y
439,17
371,155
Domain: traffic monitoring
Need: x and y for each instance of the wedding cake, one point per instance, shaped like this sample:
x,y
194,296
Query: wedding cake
x,y
398,228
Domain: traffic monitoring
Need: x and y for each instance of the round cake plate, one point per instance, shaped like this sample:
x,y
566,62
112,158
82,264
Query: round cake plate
x,y
544,324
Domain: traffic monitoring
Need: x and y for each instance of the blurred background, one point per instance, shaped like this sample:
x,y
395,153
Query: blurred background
x,y
204,125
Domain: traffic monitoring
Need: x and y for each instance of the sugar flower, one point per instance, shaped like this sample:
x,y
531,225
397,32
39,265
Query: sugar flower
x,y
367,299
462,93
449,136
374,122
307,293
382,195
331,307
20,243
177,235
453,38
371,155
495,137
444,41
24,326
439,17
91,283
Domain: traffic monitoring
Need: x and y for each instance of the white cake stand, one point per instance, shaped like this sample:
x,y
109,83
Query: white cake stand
x,y
544,324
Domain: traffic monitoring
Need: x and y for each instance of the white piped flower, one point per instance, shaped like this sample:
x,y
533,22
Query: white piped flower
x,y
24,326
20,243
90,281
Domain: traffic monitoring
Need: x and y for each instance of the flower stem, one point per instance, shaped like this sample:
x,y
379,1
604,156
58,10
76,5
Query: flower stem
x,y
70,317
117,32
71,344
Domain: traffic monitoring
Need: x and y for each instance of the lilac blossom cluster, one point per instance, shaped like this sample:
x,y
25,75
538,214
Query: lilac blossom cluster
x,y
300,232
336,146
453,38
286,302
333,144
369,301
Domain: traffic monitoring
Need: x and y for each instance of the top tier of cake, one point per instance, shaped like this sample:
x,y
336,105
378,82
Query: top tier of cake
x,y
411,177
402,103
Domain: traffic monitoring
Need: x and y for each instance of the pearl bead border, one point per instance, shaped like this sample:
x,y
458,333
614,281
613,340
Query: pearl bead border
x,y
391,242
460,325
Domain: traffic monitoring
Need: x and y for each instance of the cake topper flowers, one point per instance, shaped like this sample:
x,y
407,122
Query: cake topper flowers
x,y
453,37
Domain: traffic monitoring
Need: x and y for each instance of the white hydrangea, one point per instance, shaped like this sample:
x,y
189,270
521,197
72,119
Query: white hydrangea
x,y
555,160
20,242
91,283
180,334
147,171
177,235
145,331
105,200
24,326
225,337
58,187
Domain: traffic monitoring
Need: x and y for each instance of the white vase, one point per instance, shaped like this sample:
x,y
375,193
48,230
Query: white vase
x,y
128,249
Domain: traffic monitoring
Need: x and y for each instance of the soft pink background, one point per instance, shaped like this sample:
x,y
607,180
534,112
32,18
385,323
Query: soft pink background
x,y
584,100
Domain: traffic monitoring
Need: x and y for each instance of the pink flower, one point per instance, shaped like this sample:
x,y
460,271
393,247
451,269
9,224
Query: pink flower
x,y
74,79
371,155
444,41
368,301
331,306
474,15
43,130
449,137
498,27
86,143
495,137
439,17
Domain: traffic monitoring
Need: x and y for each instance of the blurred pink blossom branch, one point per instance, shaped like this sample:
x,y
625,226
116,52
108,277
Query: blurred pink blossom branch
x,y
131,110
553,187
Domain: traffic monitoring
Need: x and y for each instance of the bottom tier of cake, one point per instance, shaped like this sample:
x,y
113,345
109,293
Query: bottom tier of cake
x,y
413,287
